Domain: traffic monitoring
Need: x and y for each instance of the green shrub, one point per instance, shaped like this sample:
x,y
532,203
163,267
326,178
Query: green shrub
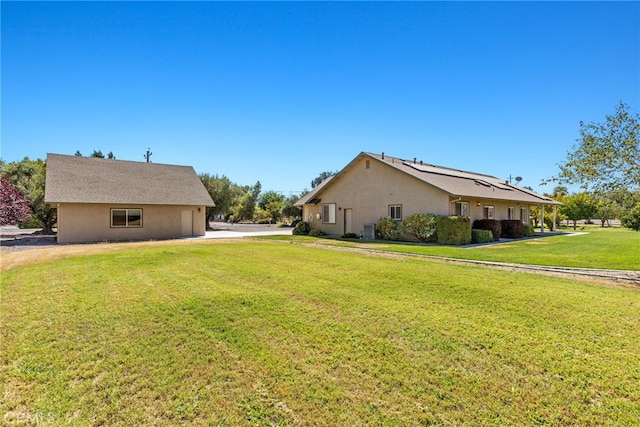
x,y
529,231
315,232
420,225
512,228
388,229
453,230
481,236
489,224
350,236
302,229
33,222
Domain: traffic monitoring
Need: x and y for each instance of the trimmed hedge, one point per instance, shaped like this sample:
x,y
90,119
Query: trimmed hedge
x,y
512,229
529,231
453,230
481,236
489,224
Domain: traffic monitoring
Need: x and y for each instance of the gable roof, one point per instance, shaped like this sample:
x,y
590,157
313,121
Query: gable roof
x,y
455,182
75,179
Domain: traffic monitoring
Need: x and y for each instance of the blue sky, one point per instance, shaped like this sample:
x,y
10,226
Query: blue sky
x,y
279,92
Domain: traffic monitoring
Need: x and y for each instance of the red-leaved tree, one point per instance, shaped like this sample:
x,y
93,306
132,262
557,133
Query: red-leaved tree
x,y
14,208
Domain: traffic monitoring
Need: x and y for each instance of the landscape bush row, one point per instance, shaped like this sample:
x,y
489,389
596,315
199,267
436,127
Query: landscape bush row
x,y
443,229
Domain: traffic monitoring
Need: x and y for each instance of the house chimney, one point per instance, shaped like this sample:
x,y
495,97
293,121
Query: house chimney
x,y
383,155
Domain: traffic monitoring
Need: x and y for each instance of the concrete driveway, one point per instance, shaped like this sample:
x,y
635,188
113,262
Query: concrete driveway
x,y
223,230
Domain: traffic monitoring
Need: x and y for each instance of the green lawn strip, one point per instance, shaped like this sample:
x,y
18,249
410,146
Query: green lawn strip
x,y
608,248
269,333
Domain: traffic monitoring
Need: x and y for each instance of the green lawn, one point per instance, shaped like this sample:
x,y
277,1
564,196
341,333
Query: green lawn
x,y
608,248
265,333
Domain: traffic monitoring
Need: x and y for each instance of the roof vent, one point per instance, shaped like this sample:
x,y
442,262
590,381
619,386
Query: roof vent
x,y
420,162
383,155
415,160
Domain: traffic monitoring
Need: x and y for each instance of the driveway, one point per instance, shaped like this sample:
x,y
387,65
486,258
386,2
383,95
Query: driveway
x,y
223,230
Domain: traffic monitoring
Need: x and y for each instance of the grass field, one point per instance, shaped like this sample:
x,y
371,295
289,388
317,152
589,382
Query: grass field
x,y
265,333
608,248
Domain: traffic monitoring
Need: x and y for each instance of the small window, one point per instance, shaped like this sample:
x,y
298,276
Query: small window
x,y
524,215
395,212
511,213
366,164
329,213
126,218
488,212
462,209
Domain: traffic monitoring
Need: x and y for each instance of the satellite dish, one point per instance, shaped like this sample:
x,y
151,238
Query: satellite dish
x,y
518,178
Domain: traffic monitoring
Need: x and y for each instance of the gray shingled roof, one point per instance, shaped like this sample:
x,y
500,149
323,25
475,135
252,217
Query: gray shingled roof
x,y
455,182
72,179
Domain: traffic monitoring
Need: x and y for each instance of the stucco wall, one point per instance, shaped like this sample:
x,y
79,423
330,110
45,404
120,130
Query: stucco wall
x,y
79,223
368,192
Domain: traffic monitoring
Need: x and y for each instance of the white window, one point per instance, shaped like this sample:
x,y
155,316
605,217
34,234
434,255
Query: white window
x,y
462,209
126,218
524,215
488,212
329,213
395,212
511,213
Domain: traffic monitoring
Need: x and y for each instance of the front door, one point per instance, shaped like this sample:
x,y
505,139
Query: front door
x,y
187,224
347,221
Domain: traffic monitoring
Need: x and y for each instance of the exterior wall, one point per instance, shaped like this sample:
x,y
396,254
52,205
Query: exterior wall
x,y
368,192
501,208
79,223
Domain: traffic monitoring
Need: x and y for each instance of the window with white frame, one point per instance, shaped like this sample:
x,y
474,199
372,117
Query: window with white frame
x,y
488,212
511,213
126,218
524,215
395,212
329,213
462,209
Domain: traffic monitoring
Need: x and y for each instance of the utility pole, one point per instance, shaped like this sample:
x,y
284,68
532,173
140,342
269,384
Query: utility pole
x,y
147,155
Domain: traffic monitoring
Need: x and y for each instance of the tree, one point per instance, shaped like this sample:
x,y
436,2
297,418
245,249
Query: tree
x,y
29,177
14,208
225,194
78,153
321,177
271,202
290,210
631,219
579,206
97,153
607,155
248,201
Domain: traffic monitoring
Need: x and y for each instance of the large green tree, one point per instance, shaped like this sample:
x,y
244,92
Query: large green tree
x,y
225,194
579,206
247,207
29,176
271,202
606,156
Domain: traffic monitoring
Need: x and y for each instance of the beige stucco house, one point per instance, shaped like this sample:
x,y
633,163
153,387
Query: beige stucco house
x,y
109,200
373,186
